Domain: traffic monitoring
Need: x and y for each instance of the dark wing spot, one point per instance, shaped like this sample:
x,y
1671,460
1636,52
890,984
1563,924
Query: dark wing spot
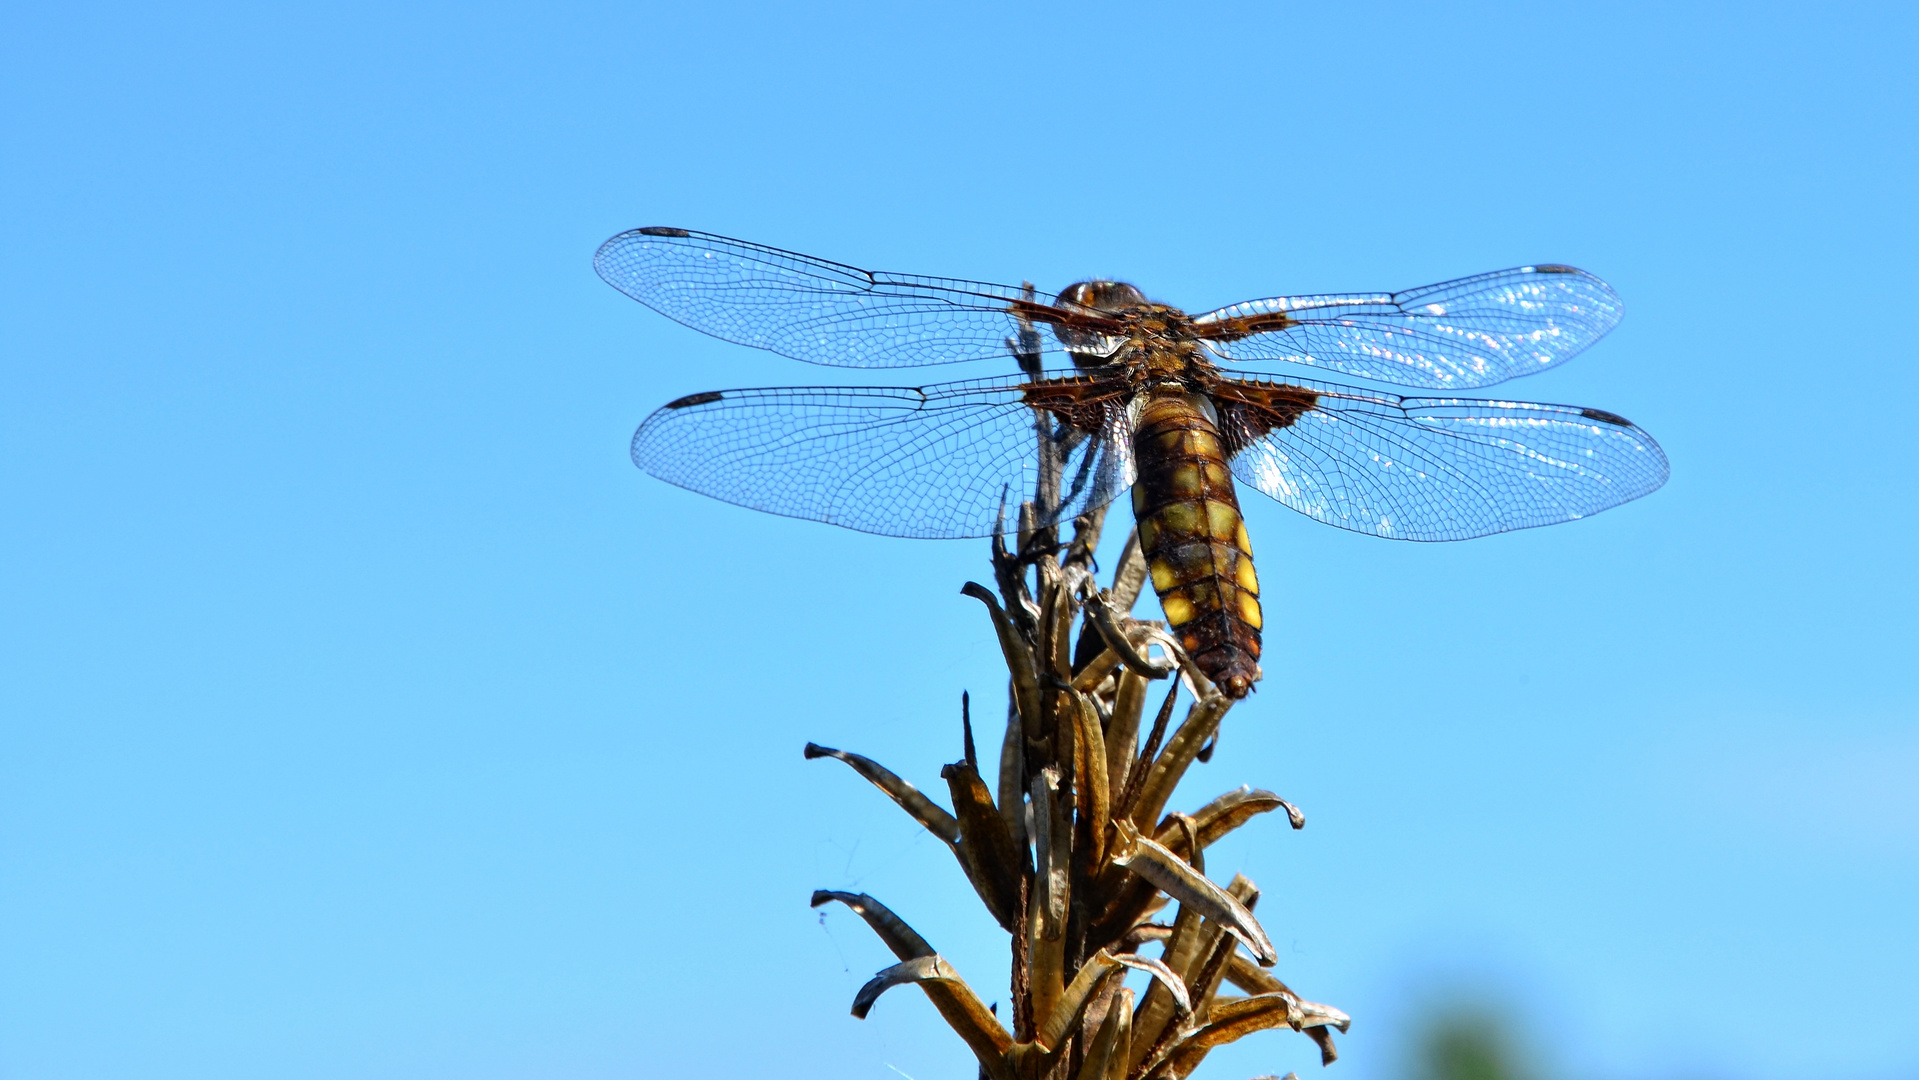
x,y
1248,410
1605,417
1079,402
691,400
1555,268
1236,328
663,230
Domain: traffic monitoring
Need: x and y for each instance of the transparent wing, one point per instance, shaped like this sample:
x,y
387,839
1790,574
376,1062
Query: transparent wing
x,y
810,309
932,462
1459,334
1444,468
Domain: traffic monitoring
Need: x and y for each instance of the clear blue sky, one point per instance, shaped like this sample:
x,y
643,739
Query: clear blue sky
x,y
367,714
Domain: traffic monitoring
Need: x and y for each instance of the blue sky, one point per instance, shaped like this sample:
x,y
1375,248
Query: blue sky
x,y
365,713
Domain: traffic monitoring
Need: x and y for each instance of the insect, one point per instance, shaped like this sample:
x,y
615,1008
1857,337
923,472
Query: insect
x,y
1146,404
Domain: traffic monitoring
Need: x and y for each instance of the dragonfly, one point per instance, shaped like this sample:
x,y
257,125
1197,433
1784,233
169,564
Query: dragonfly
x,y
1117,392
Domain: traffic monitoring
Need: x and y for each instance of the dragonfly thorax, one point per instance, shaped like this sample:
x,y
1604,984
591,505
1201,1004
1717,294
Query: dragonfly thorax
x,y
1140,328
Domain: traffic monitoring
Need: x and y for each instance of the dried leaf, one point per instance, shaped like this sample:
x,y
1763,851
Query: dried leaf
x,y
1059,1024
1130,898
1156,1009
1130,576
1253,980
1223,815
1063,634
1145,932
1150,860
908,945
892,930
981,1030
1038,1057
1074,777
1106,1058
1090,765
1260,983
1012,783
1099,612
1096,671
1308,1016
1233,1020
1317,1015
1197,952
1201,721
1019,658
1143,765
966,728
930,814
1182,1000
1230,1021
1204,980
1086,530
987,851
1188,830
1328,1053
1122,732
1195,679
1054,847
1204,983
1046,906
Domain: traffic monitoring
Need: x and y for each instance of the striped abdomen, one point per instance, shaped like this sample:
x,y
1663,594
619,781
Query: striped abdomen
x,y
1195,541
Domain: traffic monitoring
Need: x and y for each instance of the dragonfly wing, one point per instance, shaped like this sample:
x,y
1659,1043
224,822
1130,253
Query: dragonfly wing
x,y
1452,336
1438,468
932,462
811,309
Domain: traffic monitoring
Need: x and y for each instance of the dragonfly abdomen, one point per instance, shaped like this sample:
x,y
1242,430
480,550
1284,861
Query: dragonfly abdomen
x,y
1194,539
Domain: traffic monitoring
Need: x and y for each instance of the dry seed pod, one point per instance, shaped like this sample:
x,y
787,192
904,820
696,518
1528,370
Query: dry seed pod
x,y
1100,613
892,930
1019,656
1073,775
1106,1059
926,811
981,1030
1201,721
1175,878
1226,813
987,850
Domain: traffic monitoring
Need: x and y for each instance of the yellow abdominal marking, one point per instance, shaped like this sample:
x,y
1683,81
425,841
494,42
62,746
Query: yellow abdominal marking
x,y
1179,610
1241,540
1249,609
1148,534
1164,576
1248,580
1185,481
1222,520
1180,519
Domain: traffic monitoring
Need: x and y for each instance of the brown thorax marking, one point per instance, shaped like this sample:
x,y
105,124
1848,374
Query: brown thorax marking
x,y
1125,344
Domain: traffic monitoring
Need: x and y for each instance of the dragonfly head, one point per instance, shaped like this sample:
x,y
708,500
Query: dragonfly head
x,y
1089,349
1102,296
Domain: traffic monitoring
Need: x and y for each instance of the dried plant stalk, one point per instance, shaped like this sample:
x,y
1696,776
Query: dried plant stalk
x,y
1068,850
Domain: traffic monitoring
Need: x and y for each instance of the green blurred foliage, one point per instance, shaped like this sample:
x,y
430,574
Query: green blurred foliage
x,y
1471,1044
